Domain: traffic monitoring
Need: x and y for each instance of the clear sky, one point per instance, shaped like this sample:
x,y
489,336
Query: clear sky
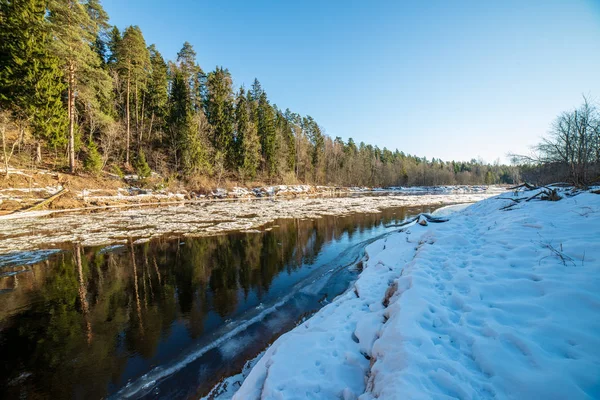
x,y
445,79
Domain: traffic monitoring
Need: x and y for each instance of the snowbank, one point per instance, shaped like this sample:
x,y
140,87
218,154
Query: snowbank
x,y
502,301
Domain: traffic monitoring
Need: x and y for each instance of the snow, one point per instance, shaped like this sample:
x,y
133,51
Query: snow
x,y
498,302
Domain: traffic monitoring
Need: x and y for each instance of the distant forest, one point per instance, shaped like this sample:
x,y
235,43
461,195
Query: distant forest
x,y
79,95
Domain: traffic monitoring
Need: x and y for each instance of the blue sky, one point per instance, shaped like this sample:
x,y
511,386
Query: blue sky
x,y
445,79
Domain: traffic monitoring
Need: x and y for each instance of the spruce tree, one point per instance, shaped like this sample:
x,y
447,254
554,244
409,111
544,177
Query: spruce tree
x,y
314,134
247,142
186,141
30,76
93,160
192,75
142,169
157,90
289,138
220,113
256,91
266,133
180,114
112,45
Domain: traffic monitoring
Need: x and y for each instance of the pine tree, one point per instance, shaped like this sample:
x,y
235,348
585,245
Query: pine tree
x,y
220,113
30,76
75,31
133,63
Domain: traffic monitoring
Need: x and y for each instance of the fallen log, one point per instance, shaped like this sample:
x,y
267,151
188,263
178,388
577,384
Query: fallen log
x,y
47,201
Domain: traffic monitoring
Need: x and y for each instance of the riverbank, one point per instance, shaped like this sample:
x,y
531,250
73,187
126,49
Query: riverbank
x,y
52,191
25,232
501,301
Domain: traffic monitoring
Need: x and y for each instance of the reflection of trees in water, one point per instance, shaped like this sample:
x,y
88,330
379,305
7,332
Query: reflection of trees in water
x,y
83,316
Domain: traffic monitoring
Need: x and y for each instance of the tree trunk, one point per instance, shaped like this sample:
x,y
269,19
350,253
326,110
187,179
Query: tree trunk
x,y
128,119
3,130
137,117
38,153
150,130
142,120
82,291
71,109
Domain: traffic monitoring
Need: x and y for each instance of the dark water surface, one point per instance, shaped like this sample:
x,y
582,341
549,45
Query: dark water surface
x,y
171,317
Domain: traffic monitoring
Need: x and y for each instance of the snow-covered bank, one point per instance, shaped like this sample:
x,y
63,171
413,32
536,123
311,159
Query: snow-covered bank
x,y
28,232
502,301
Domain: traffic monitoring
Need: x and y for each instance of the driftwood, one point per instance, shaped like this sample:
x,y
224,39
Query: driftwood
x,y
525,185
545,193
47,201
422,217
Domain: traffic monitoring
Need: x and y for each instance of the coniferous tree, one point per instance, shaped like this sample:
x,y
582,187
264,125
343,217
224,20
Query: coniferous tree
x,y
220,113
157,90
112,45
30,76
142,169
247,143
75,32
186,127
133,63
192,75
314,134
266,133
290,138
180,115
93,160
256,91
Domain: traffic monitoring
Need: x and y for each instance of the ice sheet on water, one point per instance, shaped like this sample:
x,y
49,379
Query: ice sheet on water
x,y
27,232
25,257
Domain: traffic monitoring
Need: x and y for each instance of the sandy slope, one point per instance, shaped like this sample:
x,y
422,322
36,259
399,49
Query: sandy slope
x,y
492,304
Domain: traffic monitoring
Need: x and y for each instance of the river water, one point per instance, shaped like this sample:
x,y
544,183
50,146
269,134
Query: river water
x,y
171,317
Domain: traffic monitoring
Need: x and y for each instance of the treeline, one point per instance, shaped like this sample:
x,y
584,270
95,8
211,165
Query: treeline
x,y
87,95
570,152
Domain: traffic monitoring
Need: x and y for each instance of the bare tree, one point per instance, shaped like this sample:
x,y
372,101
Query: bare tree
x,y
571,151
573,142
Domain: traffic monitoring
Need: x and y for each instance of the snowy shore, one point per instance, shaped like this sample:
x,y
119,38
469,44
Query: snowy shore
x,y
501,301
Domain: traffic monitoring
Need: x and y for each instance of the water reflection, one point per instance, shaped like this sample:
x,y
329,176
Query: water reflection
x,y
87,321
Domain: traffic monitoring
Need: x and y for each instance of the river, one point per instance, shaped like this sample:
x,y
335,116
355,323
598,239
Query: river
x,y
171,317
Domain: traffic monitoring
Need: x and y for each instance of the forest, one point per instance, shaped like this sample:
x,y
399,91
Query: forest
x,y
80,95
